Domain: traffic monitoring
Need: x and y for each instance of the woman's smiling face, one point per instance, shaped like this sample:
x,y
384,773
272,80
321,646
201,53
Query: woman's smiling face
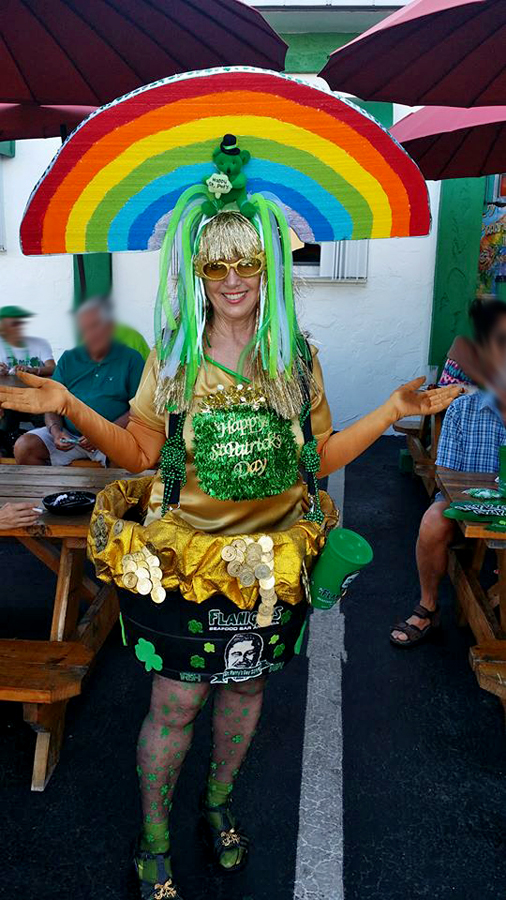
x,y
234,297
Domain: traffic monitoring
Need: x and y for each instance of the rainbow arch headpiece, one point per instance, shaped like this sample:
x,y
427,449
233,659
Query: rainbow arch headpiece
x,y
333,169
138,175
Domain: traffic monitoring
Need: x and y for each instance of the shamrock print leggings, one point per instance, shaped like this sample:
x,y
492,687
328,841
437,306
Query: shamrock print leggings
x,y
167,732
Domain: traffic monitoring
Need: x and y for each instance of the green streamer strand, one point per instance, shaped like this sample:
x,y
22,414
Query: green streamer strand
x,y
162,301
263,210
287,279
190,350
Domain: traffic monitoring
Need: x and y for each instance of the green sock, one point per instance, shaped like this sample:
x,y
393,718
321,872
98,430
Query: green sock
x,y
217,794
155,839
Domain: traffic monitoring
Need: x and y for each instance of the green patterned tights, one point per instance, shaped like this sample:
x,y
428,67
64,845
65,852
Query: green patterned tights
x,y
164,740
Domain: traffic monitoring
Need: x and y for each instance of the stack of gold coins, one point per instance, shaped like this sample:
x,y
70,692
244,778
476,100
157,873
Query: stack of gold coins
x,y
142,573
249,561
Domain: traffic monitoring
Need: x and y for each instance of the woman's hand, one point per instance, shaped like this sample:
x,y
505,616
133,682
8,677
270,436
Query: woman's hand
x,y
408,400
42,395
18,515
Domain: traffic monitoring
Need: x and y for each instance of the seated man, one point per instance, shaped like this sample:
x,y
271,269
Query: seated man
x,y
103,374
19,352
473,430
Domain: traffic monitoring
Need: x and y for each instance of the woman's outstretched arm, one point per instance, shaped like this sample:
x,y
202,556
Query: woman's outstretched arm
x,y
342,447
136,447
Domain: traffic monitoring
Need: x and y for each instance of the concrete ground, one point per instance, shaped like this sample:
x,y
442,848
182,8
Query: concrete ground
x,y
419,747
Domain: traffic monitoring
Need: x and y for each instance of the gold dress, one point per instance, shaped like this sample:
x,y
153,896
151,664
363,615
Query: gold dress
x,y
206,601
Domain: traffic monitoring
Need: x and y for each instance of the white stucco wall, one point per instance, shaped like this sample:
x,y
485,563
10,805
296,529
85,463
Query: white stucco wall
x,y
372,336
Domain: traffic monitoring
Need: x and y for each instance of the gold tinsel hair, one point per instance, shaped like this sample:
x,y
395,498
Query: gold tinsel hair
x,y
229,236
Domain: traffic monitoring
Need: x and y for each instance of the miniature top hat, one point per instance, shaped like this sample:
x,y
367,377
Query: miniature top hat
x,y
229,145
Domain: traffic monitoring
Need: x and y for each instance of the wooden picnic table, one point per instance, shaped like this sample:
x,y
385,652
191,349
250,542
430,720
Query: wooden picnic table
x,y
43,675
475,606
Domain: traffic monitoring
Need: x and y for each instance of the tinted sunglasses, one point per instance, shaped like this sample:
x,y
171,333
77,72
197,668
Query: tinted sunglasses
x,y
218,269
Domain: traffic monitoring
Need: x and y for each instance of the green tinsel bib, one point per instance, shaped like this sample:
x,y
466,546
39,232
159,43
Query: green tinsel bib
x,y
244,453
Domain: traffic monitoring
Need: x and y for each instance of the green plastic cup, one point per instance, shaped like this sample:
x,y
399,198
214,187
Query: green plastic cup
x,y
344,555
502,470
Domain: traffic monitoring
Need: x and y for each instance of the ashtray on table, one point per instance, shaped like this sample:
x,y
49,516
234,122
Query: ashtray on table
x,y
69,503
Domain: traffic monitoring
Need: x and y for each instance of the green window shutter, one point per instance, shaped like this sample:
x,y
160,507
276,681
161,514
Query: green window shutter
x,y
7,148
97,276
382,112
309,52
457,255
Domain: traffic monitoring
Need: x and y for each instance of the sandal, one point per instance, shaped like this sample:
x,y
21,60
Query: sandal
x,y
164,889
413,633
223,839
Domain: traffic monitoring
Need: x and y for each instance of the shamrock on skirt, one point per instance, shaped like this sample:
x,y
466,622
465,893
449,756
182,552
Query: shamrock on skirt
x,y
146,653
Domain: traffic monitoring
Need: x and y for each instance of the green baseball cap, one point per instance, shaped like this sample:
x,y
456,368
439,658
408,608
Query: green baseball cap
x,y
15,312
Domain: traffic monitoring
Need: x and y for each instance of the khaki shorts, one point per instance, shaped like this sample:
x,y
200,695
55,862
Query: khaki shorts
x,y
65,457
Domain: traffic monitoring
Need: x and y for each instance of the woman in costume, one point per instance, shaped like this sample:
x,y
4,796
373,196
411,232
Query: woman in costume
x,y
211,553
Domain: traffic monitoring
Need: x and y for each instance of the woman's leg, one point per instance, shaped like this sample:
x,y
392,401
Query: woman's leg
x,y
237,708
164,740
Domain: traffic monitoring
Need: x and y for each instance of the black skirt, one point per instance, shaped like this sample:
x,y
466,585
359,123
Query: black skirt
x,y
212,641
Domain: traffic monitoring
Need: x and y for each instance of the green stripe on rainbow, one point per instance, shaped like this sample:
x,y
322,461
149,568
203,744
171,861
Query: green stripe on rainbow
x,y
334,168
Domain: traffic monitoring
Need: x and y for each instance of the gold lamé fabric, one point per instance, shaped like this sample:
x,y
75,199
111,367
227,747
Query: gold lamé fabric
x,y
205,513
191,559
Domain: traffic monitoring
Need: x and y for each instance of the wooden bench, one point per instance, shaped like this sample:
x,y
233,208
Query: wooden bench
x,y
42,671
43,675
488,662
422,437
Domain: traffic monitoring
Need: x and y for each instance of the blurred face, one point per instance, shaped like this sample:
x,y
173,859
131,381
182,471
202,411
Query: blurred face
x,y
13,330
95,332
234,297
496,346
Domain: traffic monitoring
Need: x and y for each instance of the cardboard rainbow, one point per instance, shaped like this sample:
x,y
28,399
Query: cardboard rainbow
x,y
333,169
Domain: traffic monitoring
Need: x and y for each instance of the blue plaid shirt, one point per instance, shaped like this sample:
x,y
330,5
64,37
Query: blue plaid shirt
x,y
472,432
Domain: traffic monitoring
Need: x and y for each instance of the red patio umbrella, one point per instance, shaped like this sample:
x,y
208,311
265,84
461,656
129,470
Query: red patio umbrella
x,y
431,52
21,121
450,142
72,52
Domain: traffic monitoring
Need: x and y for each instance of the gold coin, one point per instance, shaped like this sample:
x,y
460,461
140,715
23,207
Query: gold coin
x,y
156,583
152,561
267,593
142,572
268,557
253,556
264,610
127,558
158,595
263,621
138,556
228,553
249,540
267,582
262,571
129,566
266,543
234,568
155,572
246,577
144,586
130,580
240,556
146,552
239,544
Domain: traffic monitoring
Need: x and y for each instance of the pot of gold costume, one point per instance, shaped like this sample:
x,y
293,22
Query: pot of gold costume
x,y
212,554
